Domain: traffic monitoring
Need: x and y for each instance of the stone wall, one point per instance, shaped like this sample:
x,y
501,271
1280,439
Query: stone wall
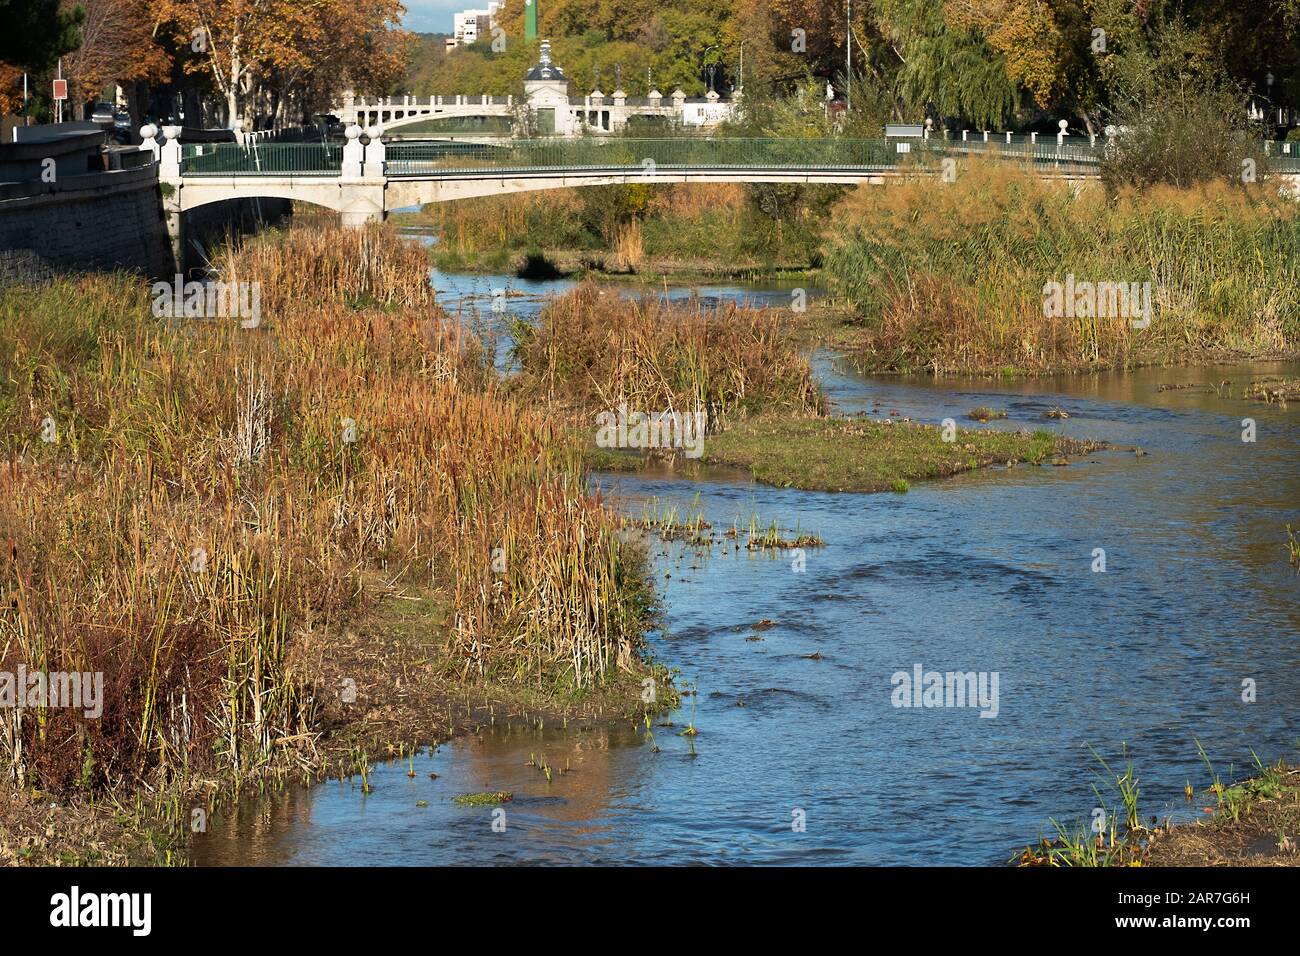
x,y
94,222
112,220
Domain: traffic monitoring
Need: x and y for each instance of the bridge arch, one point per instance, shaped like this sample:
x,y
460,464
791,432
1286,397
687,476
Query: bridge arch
x,y
197,192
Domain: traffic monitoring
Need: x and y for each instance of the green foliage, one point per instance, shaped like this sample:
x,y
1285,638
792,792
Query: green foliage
x,y
987,65
1180,120
951,68
37,32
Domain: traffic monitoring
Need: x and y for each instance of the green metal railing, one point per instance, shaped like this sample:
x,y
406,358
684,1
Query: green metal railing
x,y
1280,162
262,159
648,156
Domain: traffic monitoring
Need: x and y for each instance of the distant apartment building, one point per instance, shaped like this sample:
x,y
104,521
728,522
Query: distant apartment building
x,y
470,26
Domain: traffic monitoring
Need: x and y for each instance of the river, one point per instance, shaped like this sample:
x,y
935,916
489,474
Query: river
x,y
801,755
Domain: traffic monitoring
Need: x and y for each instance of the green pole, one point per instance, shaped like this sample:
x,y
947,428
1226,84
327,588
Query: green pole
x,y
530,19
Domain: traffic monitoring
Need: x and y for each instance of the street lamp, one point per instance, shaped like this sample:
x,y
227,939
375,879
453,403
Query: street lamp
x,y
848,56
711,66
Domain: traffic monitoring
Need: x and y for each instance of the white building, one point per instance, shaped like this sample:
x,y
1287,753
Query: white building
x,y
556,113
470,26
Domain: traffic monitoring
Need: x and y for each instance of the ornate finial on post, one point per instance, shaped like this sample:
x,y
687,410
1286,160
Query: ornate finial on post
x,y
149,140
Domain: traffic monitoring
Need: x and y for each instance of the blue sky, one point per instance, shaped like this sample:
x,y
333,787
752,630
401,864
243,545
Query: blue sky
x,y
433,16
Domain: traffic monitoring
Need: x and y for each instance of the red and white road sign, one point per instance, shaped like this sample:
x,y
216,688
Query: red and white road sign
x,y
60,89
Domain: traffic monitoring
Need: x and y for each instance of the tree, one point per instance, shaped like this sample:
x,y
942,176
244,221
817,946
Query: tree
x,y
948,65
37,32
266,52
1180,118
117,45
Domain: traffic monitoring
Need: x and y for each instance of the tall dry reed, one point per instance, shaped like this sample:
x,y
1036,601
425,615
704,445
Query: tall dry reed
x,y
950,276
595,349
211,494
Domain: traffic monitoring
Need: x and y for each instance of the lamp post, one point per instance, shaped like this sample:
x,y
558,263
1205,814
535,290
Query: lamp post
x,y
710,66
848,56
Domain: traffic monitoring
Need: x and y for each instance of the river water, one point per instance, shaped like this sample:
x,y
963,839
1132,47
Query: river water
x,y
801,755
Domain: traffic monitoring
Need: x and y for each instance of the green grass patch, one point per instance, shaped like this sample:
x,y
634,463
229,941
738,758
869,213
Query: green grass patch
x,y
837,454
485,799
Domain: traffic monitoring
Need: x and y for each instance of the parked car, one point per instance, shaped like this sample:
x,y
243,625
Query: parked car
x,y
122,120
103,113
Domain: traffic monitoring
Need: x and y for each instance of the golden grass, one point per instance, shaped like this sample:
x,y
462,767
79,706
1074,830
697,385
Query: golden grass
x,y
594,349
205,505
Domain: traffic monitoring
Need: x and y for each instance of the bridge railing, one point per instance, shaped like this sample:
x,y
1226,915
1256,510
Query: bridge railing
x,y
651,155
262,159
638,154
647,156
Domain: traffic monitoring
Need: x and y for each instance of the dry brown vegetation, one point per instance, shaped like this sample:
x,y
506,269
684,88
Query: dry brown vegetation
x,y
950,277
217,497
594,350
721,228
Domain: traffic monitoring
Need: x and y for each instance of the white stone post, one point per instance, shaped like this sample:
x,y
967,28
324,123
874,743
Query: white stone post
x,y
170,157
1060,137
149,140
374,164
353,152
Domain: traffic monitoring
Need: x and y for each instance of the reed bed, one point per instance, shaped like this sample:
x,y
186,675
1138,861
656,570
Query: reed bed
x,y
950,278
594,350
209,496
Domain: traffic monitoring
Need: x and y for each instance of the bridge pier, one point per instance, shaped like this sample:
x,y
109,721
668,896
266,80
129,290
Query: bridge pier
x,y
362,205
361,179
169,177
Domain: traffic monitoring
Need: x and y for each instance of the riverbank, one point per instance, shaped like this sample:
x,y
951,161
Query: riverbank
x,y
741,376
1254,821
857,454
954,281
999,273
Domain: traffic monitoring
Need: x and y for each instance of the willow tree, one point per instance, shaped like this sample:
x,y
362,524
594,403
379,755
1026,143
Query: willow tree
x,y
1052,49
945,63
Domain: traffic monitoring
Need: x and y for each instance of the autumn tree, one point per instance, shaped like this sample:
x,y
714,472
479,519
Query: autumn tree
x,y
265,52
34,34
117,45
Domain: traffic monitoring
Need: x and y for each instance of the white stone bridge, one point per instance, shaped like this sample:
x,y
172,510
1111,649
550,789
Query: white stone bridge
x,y
365,178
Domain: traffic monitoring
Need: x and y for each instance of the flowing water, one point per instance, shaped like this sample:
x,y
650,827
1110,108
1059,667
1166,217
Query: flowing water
x,y
803,758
